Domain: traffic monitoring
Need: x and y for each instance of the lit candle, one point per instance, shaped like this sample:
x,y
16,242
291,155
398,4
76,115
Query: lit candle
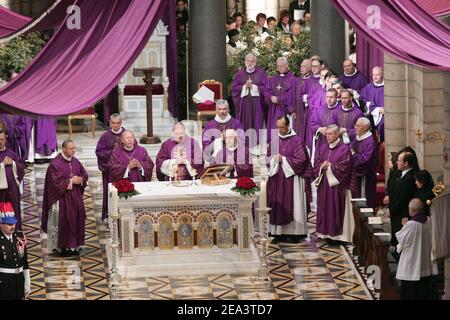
x,y
113,206
263,194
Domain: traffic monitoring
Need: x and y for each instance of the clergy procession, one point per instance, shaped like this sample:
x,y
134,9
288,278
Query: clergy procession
x,y
293,166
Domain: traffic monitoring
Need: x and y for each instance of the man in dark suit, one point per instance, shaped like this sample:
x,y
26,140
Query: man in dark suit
x,y
303,5
403,191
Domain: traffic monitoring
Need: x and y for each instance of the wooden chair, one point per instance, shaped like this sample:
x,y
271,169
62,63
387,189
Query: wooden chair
x,y
88,113
209,110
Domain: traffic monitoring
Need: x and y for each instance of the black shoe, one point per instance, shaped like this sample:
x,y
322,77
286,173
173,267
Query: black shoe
x,y
277,239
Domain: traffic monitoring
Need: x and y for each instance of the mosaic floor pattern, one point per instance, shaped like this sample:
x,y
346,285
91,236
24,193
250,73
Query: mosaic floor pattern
x,y
309,270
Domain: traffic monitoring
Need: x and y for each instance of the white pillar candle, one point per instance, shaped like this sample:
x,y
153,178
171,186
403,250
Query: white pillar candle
x,y
113,202
263,194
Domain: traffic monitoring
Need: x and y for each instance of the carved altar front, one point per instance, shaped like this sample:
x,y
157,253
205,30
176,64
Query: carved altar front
x,y
168,230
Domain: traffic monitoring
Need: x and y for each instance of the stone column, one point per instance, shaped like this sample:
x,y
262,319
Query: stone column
x,y
328,34
207,55
4,3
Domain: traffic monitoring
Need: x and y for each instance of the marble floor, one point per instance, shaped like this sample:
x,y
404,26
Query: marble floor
x,y
310,270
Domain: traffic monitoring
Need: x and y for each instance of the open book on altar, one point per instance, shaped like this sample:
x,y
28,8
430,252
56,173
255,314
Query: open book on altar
x,y
203,95
215,174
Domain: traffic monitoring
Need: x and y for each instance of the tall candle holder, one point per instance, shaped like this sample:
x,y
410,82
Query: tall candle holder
x,y
114,279
263,271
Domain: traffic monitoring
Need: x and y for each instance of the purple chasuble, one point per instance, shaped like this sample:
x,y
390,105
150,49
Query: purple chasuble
x,y
103,152
120,159
15,131
280,190
192,152
72,214
365,160
322,117
239,157
282,87
250,110
12,194
375,95
45,134
346,118
357,81
331,200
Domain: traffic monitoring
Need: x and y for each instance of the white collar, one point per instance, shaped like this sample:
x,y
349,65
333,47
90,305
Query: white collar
x,y
282,74
405,172
316,76
334,144
334,106
307,77
67,158
351,75
250,71
289,134
3,149
219,120
345,109
233,148
118,131
378,85
128,149
8,237
364,136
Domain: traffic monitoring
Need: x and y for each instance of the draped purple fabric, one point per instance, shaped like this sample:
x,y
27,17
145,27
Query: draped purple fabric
x,y
437,8
402,29
368,56
79,67
11,21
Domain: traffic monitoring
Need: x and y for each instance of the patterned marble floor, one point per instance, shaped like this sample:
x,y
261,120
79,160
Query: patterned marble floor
x,y
309,270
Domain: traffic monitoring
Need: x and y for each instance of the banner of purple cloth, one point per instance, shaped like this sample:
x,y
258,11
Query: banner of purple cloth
x,y
437,8
11,21
401,28
78,67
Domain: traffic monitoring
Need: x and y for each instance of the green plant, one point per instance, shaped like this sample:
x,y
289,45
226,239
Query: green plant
x,y
17,53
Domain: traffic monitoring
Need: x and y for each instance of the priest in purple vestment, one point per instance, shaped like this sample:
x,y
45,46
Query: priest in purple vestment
x,y
11,175
346,117
280,96
289,173
334,182
15,132
129,161
321,118
213,132
365,159
373,97
302,119
352,77
234,152
247,90
180,155
63,211
45,141
103,152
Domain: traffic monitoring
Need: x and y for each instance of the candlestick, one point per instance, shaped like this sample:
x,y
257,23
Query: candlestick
x,y
114,208
263,194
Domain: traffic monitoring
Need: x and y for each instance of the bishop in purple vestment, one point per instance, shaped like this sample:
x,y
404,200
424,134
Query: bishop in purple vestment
x,y
334,182
180,155
247,90
103,152
352,77
11,175
346,117
280,96
234,152
365,159
65,182
214,129
373,97
289,173
321,118
129,161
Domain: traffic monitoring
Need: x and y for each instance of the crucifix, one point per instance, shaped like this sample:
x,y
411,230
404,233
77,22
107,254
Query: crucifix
x,y
148,74
279,87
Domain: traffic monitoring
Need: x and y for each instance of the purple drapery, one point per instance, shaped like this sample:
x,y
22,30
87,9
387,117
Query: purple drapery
x,y
11,21
405,30
368,56
437,8
79,67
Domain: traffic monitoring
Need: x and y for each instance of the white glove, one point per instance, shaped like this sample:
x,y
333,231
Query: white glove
x,y
26,274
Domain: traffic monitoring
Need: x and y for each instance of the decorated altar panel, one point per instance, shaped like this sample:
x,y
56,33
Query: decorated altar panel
x,y
196,229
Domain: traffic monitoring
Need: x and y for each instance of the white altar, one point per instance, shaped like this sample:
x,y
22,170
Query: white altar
x,y
193,230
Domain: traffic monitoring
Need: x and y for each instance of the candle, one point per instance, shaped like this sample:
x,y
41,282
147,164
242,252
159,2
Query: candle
x,y
263,194
113,199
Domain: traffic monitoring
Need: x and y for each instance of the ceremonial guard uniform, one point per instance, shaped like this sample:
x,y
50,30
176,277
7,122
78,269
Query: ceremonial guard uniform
x,y
14,270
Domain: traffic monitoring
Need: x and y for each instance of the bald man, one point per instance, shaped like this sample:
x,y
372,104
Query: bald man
x,y
352,77
365,159
372,96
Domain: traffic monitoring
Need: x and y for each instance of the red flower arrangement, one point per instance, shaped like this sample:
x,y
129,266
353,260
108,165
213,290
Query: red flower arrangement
x,y
245,186
125,189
